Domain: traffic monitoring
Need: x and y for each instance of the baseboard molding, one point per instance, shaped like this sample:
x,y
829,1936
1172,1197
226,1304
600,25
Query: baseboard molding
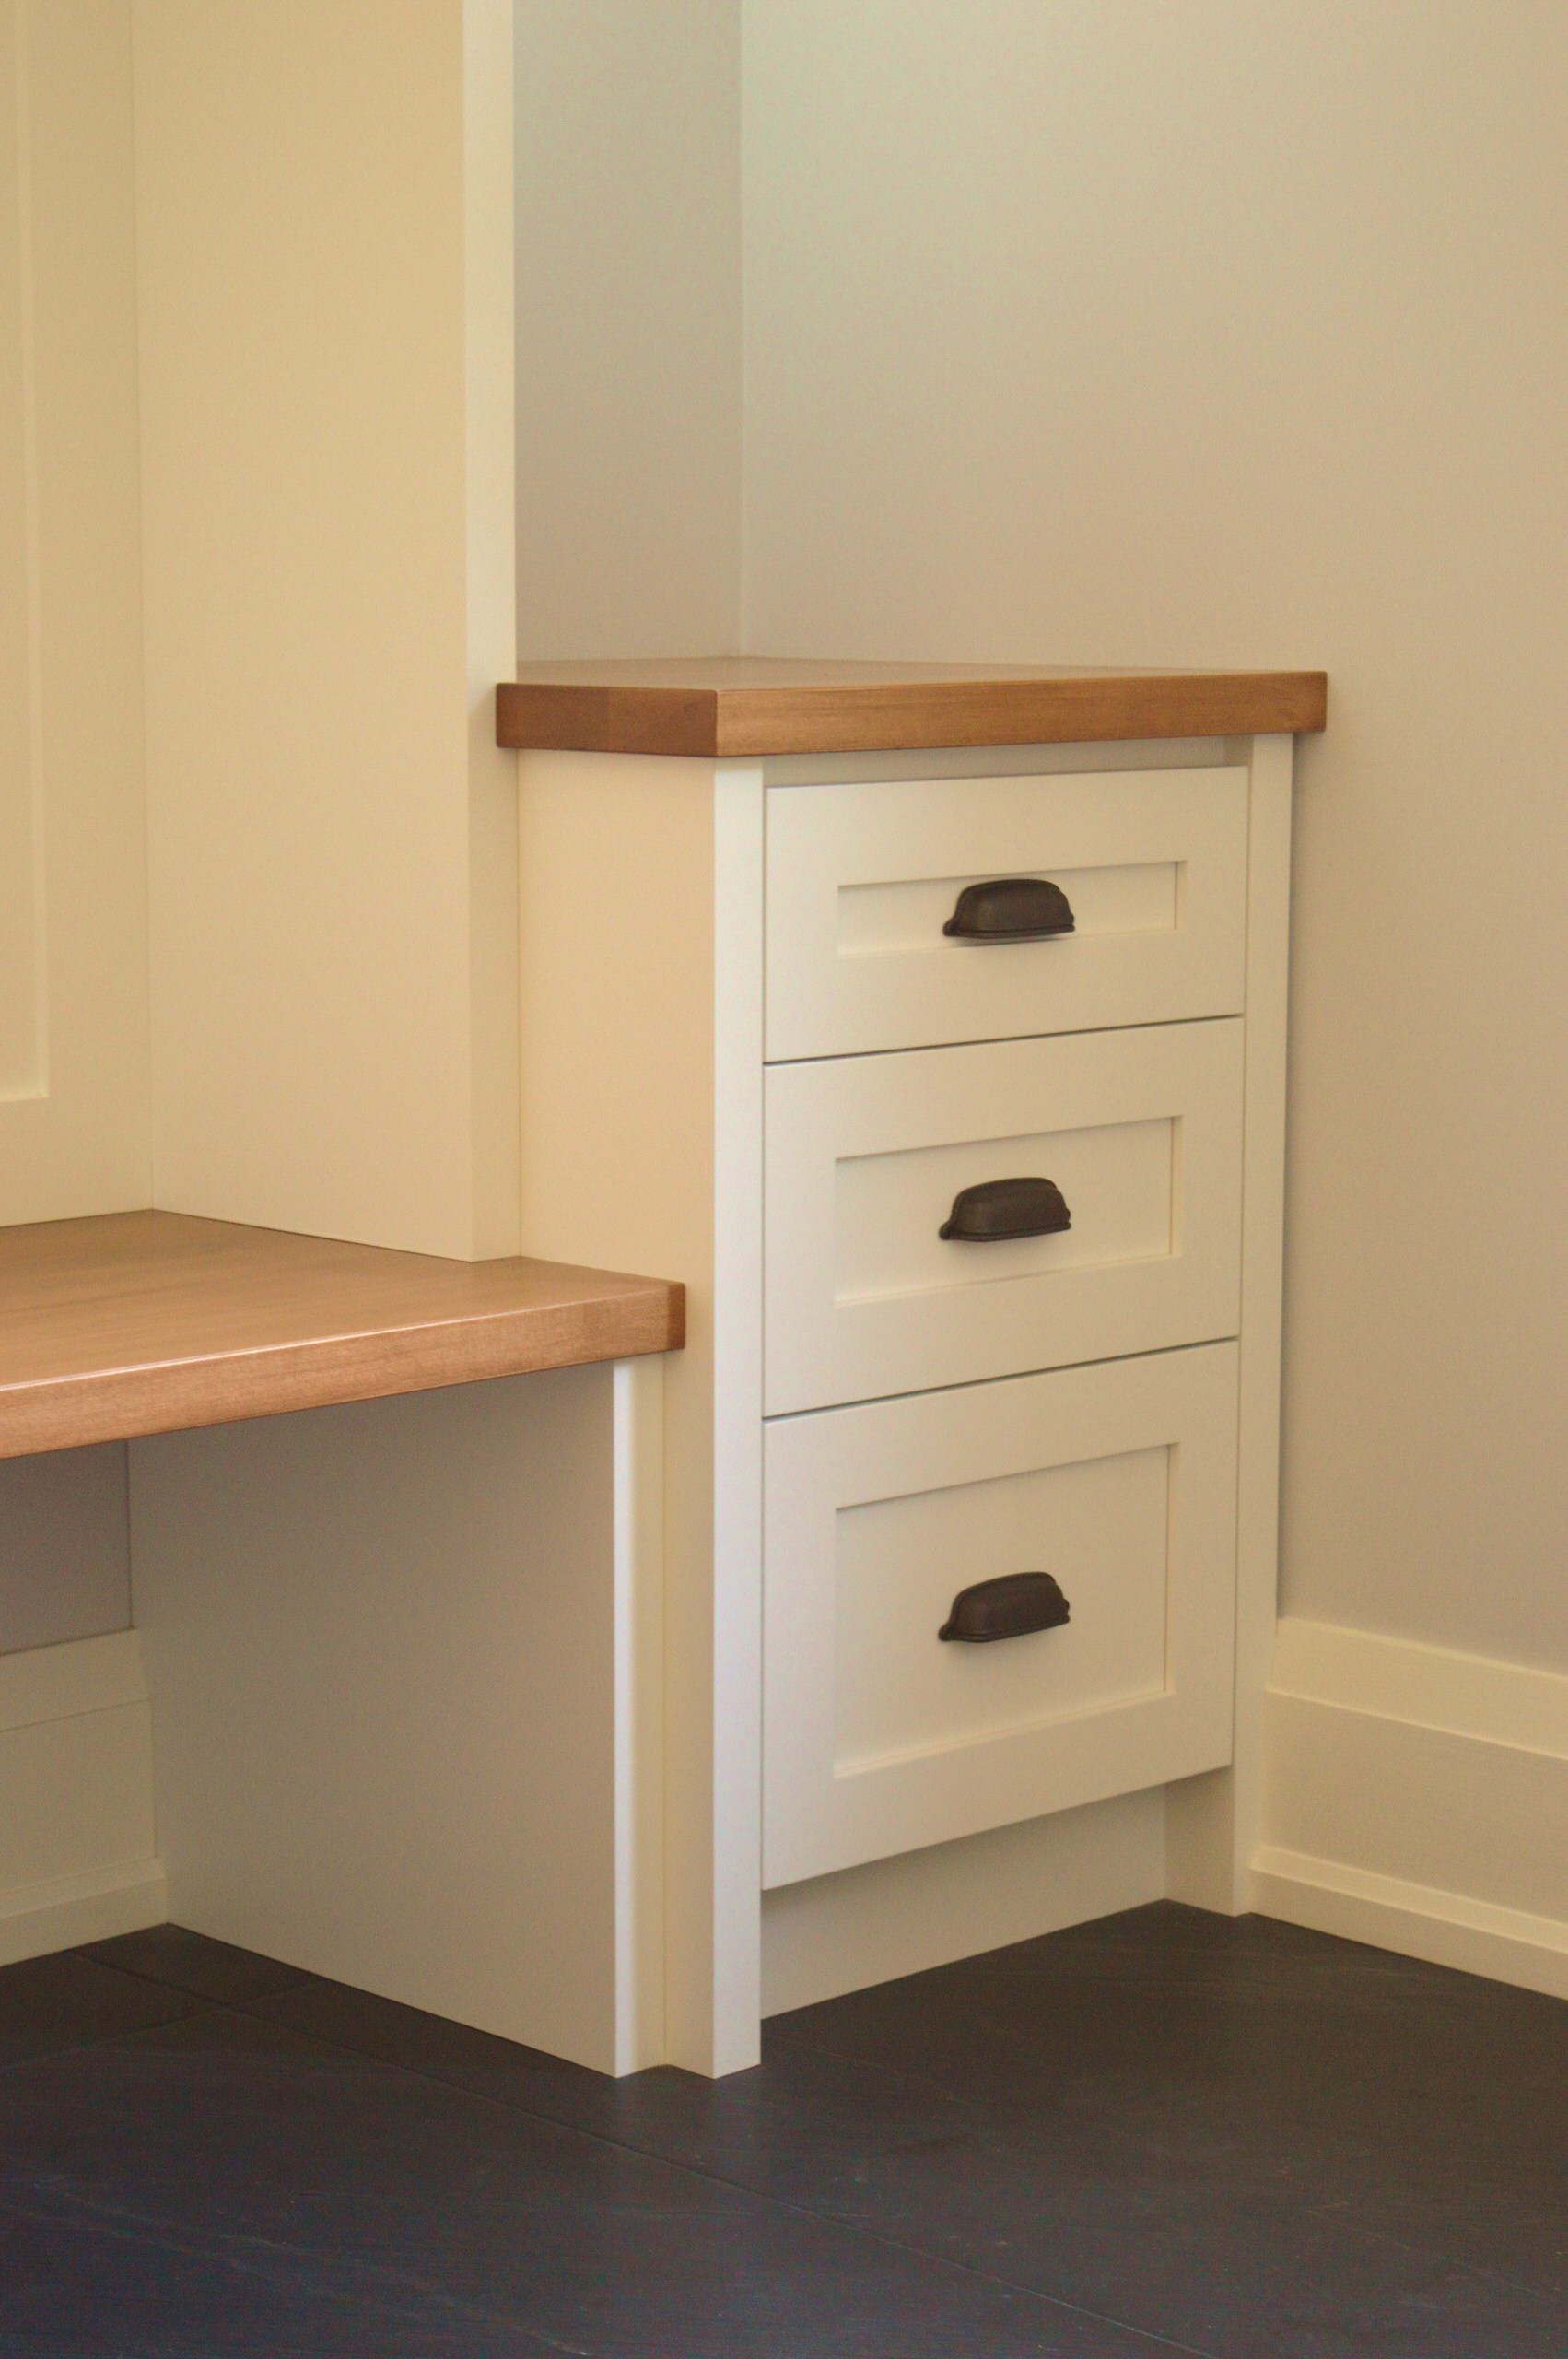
x,y
868,1925
1506,1944
1414,1798
77,1849
1417,1798
39,1919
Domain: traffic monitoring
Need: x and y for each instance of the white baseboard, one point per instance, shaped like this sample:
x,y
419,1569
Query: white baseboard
x,y
39,1919
77,1850
924,1908
1417,1798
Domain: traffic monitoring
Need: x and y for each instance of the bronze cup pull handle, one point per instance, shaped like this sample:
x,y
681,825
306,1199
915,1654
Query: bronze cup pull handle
x,y
1011,909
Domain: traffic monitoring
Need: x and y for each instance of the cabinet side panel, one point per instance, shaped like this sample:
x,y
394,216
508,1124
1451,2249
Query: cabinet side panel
x,y
380,1639
623,1154
617,1016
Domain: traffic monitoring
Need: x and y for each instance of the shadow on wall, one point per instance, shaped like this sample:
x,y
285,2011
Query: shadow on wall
x,y
64,1552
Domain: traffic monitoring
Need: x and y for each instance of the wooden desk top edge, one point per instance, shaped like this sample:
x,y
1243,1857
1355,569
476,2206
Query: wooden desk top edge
x,y
736,707
125,1324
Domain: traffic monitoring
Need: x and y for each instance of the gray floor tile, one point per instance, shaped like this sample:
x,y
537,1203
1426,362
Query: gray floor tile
x,y
226,2187
51,2003
1241,2135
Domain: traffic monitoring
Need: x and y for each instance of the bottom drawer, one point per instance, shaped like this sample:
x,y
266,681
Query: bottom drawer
x,y
1119,1480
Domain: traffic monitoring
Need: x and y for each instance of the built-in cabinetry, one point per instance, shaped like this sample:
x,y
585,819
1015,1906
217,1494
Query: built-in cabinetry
x,y
936,1039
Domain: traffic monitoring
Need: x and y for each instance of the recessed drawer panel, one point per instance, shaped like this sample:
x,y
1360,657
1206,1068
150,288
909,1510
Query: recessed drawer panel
x,y
1131,1145
877,937
881,1734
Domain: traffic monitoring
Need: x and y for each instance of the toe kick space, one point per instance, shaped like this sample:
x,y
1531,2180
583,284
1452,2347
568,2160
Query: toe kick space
x,y
1116,1481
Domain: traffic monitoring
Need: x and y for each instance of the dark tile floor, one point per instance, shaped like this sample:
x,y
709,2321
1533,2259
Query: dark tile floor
x,y
1166,2131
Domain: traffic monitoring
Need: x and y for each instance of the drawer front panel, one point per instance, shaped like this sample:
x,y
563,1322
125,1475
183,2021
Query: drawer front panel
x,y
1140,1133
880,1736
863,879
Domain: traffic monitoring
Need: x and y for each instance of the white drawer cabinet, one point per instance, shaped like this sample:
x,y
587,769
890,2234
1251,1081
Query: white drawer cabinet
x,y
1134,1138
814,964
1118,1481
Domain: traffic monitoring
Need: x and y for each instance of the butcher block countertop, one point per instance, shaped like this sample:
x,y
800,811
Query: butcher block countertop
x,y
744,706
146,1323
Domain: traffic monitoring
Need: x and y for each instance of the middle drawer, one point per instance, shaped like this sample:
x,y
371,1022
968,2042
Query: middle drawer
x,y
1138,1134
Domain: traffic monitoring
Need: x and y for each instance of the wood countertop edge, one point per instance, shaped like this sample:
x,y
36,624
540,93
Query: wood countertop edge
x,y
130,1404
751,720
533,717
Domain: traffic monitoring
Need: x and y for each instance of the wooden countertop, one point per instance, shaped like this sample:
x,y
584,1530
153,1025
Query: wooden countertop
x,y
745,705
148,1322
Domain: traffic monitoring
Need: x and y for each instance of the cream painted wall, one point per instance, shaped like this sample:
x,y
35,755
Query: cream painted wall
x,y
629,352
1090,331
64,1547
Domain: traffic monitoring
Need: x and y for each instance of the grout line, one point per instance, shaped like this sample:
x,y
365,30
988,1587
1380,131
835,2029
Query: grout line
x,y
104,2039
161,1982
1330,2210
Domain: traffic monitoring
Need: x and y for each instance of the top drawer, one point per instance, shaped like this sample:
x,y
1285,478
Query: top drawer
x,y
863,879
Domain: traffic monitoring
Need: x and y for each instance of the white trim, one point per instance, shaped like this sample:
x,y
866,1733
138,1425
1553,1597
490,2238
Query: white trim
x,y
39,1919
1213,1822
1417,1798
730,2038
76,1845
1508,1945
637,1642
